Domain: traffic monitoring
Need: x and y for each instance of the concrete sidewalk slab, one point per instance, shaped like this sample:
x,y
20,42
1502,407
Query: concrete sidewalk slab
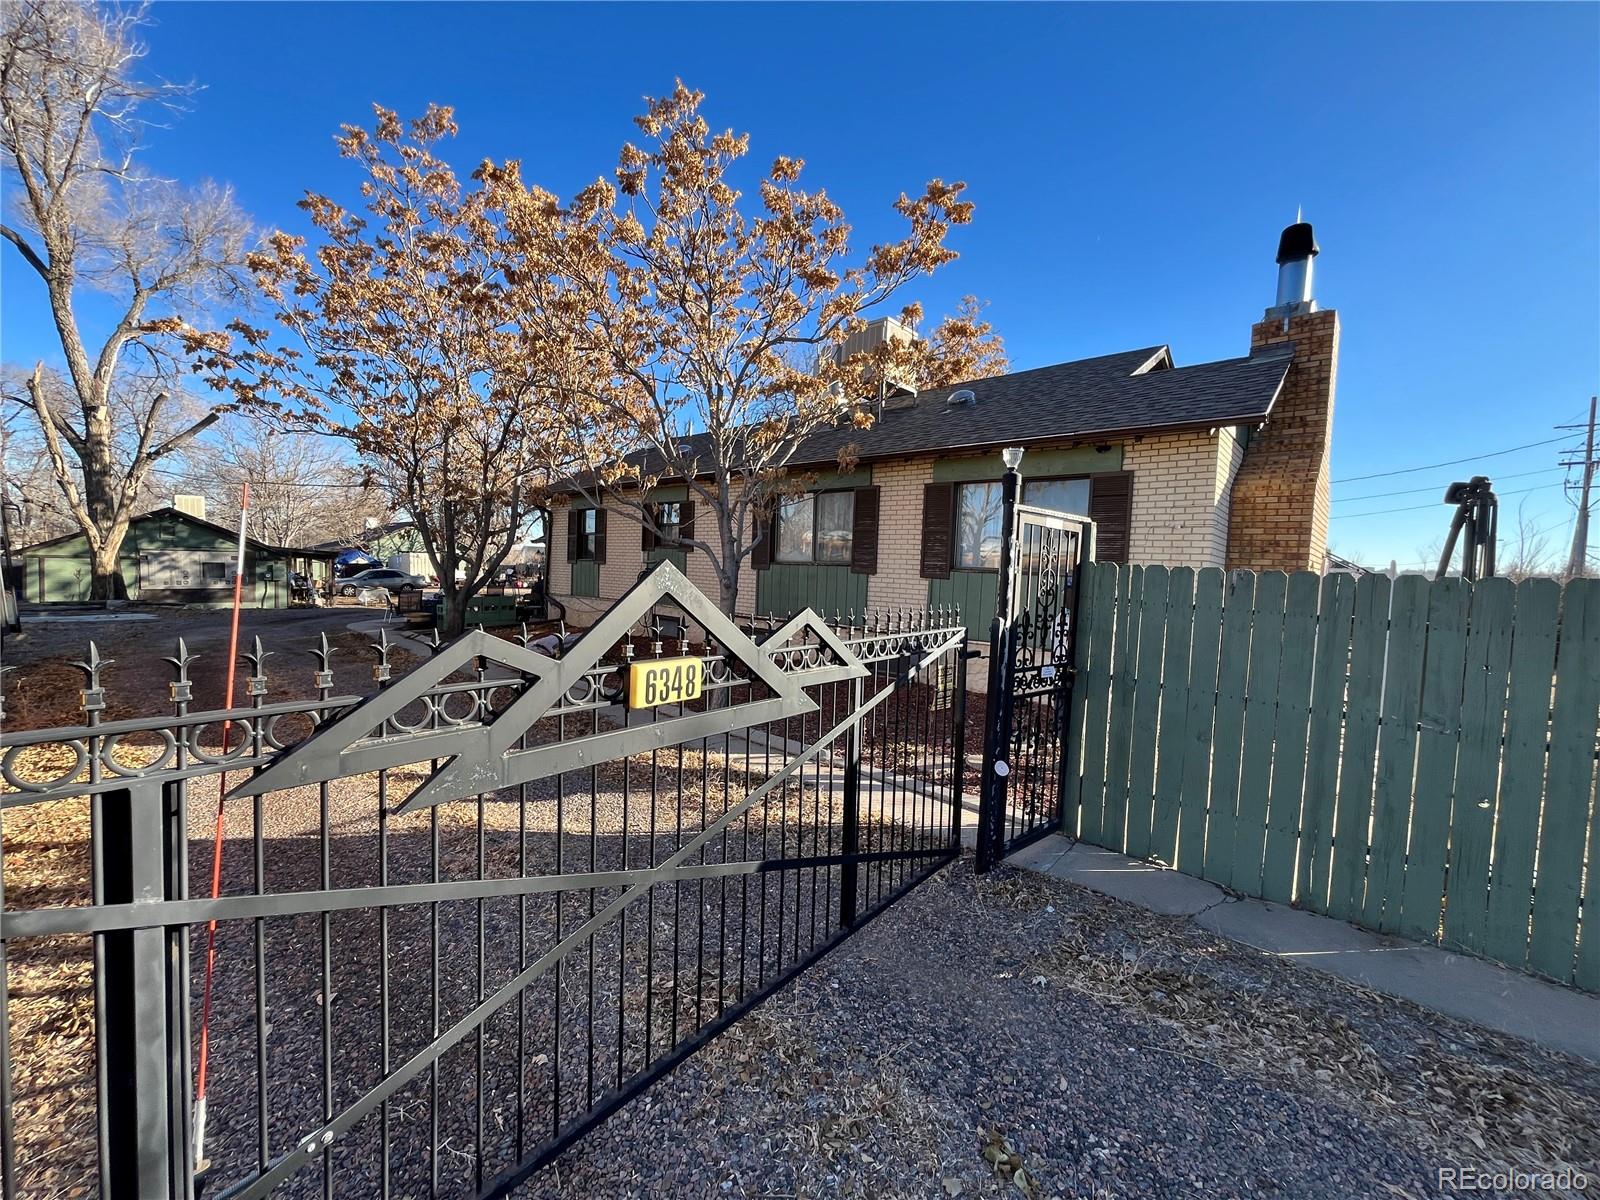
x,y
1137,882
1472,989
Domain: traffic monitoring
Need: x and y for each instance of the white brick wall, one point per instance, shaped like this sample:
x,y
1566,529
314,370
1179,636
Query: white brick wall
x,y
899,582
1181,486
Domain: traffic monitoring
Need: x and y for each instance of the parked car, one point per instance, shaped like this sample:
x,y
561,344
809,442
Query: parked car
x,y
380,577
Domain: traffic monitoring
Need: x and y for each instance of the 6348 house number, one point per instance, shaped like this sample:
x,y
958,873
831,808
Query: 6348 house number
x,y
665,681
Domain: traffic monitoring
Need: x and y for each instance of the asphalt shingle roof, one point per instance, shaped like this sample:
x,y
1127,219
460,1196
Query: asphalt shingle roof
x,y
1093,396
1120,395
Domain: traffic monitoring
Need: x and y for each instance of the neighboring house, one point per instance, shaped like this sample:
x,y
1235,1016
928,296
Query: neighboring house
x,y
1217,464
172,557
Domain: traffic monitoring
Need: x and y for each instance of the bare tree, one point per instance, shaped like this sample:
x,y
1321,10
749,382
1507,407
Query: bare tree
x,y
304,488
1527,553
71,115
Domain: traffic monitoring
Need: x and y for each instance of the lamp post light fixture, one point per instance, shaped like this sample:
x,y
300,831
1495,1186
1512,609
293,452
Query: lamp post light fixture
x,y
1012,457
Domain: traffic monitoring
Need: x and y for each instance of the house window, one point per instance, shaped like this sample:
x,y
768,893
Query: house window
x,y
977,539
816,527
669,521
1063,495
978,512
587,524
214,572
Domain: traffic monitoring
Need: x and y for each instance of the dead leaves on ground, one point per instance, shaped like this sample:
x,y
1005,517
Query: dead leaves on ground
x,y
1506,1113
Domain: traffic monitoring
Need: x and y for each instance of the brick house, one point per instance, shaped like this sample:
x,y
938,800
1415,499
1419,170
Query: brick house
x,y
1216,464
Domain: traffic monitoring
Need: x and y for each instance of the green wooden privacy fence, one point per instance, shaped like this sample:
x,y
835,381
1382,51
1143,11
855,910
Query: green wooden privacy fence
x,y
1414,756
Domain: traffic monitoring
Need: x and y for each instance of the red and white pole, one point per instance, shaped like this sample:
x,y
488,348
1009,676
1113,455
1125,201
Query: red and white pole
x,y
216,847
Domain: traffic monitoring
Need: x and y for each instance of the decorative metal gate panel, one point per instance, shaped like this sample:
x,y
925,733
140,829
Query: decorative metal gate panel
x,y
1030,675
466,918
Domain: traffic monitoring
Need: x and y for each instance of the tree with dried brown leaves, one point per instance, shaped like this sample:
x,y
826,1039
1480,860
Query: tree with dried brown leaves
x,y
404,339
71,113
708,329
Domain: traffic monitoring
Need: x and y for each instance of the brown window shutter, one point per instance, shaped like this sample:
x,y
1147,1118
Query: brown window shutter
x,y
599,535
647,533
1111,510
938,522
573,519
761,552
864,533
686,520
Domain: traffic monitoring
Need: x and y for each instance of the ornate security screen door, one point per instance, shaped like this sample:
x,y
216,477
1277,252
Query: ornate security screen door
x,y
468,917
1030,676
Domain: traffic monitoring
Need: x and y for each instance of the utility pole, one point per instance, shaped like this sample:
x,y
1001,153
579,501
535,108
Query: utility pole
x,y
1578,561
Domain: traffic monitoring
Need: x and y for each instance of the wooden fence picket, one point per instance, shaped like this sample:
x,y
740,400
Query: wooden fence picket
x,y
1397,752
1100,634
1146,709
1119,737
1260,724
1227,743
1483,715
1331,674
1369,639
1438,737
1171,738
1516,837
1204,658
1283,815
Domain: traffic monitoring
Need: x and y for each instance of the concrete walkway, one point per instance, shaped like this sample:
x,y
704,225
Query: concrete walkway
x,y
1472,989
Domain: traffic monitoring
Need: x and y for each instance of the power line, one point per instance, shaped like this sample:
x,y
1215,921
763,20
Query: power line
x,y
183,476
1454,461
1436,488
1378,512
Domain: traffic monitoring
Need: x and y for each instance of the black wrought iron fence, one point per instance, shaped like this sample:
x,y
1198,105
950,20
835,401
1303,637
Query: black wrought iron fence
x,y
459,920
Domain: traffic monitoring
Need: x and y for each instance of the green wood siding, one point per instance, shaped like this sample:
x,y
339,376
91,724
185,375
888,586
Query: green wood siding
x,y
1340,748
677,556
974,592
1036,464
785,588
585,577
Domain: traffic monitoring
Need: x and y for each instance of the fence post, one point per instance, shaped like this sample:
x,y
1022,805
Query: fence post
x,y
958,742
997,733
143,1114
850,873
1068,671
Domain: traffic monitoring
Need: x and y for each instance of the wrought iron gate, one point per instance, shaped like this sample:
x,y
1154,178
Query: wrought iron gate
x,y
465,918
1030,674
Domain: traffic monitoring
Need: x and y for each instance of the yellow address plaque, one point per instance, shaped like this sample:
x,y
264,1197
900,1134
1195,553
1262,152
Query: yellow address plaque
x,y
664,681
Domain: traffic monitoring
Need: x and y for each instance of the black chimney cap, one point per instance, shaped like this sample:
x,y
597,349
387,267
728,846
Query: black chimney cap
x,y
1297,242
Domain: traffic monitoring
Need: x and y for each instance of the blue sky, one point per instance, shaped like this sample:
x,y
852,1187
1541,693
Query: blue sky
x,y
1131,164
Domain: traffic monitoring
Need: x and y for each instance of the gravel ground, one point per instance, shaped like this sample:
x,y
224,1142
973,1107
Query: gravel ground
x,y
980,1026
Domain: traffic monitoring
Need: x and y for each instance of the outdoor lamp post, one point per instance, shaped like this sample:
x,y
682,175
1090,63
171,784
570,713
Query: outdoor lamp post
x,y
996,767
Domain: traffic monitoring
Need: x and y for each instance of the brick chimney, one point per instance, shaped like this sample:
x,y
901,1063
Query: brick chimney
x,y
1278,515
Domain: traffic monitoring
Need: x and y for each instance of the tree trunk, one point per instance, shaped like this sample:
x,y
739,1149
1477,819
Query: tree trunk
x,y
452,619
106,581
728,576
